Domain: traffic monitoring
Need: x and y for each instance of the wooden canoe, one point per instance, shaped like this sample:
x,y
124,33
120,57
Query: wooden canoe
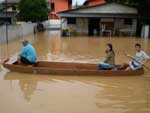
x,y
62,68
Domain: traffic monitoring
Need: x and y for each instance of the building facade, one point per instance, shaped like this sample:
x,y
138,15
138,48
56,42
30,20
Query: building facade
x,y
57,6
8,11
109,19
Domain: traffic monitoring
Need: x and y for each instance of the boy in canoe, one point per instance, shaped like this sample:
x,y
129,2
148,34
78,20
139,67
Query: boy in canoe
x,y
28,54
109,62
140,58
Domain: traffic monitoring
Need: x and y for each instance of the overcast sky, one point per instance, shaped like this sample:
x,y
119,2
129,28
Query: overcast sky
x,y
80,2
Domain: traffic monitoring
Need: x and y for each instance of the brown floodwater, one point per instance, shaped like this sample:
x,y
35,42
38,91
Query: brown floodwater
x,y
29,93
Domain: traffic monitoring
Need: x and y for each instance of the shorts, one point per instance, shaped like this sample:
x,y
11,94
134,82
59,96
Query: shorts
x,y
26,61
134,65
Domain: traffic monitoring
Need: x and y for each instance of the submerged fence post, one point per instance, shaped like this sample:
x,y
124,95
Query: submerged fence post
x,y
7,30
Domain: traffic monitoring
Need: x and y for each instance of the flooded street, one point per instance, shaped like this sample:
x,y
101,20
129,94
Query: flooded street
x,y
29,93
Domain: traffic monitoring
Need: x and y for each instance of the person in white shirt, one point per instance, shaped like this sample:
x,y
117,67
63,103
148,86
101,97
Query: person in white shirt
x,y
137,62
140,59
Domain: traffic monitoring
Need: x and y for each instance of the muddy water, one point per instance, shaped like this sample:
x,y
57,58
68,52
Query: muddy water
x,y
28,93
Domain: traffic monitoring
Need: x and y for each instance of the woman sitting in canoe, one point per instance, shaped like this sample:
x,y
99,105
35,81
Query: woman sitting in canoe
x,y
28,54
109,62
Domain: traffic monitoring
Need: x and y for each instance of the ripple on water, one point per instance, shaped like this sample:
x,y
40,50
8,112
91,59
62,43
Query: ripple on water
x,y
29,93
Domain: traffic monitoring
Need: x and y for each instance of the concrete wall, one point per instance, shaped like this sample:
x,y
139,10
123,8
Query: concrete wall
x,y
16,31
81,26
27,29
120,26
46,24
53,24
2,34
145,31
13,33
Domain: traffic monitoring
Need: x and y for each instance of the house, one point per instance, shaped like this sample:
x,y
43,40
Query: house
x,y
57,6
8,11
93,2
108,19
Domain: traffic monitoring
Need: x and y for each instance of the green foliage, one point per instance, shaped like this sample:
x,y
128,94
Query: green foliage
x,y
33,10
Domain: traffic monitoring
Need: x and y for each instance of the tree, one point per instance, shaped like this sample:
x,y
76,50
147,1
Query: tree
x,y
33,10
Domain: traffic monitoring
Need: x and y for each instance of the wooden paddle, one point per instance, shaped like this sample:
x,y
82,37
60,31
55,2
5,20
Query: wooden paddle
x,y
4,61
133,58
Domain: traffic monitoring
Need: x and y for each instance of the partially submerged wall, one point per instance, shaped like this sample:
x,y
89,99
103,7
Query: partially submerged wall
x,y
15,31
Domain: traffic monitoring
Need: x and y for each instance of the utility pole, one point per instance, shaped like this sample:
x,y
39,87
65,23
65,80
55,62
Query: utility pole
x,y
6,23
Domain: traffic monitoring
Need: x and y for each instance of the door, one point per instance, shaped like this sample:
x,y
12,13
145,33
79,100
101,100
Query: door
x,y
94,27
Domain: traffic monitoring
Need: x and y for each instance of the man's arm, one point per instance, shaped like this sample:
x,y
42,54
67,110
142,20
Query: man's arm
x,y
147,58
22,52
131,57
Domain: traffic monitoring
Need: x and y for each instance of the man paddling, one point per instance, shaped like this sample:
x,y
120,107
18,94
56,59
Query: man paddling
x,y
140,59
28,54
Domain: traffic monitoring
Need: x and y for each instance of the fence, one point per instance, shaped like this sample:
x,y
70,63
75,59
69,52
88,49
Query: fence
x,y
15,31
52,24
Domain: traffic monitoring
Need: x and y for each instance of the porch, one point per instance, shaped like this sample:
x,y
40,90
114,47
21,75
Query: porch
x,y
109,19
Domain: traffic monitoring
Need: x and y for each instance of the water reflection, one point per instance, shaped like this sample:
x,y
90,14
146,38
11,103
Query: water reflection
x,y
27,85
56,45
103,94
127,96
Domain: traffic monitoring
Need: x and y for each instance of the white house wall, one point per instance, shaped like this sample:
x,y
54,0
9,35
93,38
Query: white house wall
x,y
81,26
119,24
64,23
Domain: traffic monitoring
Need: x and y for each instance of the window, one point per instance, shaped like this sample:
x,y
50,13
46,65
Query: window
x,y
128,21
52,7
71,20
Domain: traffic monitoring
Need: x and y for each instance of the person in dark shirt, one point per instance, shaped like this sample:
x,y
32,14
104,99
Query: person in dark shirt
x,y
109,62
